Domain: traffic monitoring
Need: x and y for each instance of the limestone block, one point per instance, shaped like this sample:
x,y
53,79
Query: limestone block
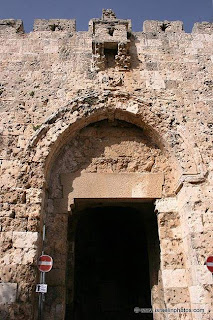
x,y
33,224
29,257
20,210
197,44
176,295
14,196
9,224
195,222
34,196
25,239
198,294
10,273
11,26
108,185
68,25
203,275
174,278
8,292
207,219
169,246
5,241
166,205
8,213
19,256
173,260
202,240
173,75
155,84
34,211
203,27
162,26
154,43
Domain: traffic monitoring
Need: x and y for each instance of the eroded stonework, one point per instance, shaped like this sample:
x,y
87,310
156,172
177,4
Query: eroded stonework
x,y
107,100
109,147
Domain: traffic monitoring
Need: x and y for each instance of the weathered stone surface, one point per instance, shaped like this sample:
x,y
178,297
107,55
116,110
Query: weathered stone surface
x,y
203,28
55,25
107,101
10,26
107,185
174,278
25,239
8,293
162,26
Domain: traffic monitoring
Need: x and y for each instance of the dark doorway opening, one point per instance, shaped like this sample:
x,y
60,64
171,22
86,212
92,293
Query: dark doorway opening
x,y
110,53
111,273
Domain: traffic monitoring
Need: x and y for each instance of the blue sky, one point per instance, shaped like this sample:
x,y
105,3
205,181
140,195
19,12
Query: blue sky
x,y
189,11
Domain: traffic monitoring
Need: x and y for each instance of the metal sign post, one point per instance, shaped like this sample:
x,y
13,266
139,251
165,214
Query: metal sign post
x,y
45,264
41,297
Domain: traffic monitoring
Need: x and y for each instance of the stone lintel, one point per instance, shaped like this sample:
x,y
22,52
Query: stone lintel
x,y
112,185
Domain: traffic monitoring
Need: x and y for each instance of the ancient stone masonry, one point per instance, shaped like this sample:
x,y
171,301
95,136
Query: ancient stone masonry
x,y
122,58
103,118
115,33
99,59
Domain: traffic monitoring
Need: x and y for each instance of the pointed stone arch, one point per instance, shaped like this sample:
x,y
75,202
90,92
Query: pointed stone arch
x,y
83,111
93,106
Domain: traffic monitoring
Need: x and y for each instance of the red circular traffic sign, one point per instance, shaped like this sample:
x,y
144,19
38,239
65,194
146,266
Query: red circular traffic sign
x,y
209,263
45,263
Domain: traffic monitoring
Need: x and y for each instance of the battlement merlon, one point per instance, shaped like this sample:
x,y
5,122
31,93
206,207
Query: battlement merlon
x,y
96,26
11,26
68,25
155,26
203,27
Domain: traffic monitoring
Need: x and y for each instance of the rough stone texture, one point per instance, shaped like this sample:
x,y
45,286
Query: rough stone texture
x,y
11,26
8,293
162,26
55,25
106,100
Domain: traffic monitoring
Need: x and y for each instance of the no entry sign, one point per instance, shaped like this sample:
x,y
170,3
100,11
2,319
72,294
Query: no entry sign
x,y
45,263
209,263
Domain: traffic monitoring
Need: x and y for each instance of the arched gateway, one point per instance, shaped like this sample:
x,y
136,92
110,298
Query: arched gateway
x,y
111,212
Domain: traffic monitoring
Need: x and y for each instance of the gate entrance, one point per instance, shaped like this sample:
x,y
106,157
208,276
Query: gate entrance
x,y
112,272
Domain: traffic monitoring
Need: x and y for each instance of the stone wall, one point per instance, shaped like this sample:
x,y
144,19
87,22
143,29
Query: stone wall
x,y
51,87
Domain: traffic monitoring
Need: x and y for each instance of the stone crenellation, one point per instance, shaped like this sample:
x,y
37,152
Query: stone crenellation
x,y
69,25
